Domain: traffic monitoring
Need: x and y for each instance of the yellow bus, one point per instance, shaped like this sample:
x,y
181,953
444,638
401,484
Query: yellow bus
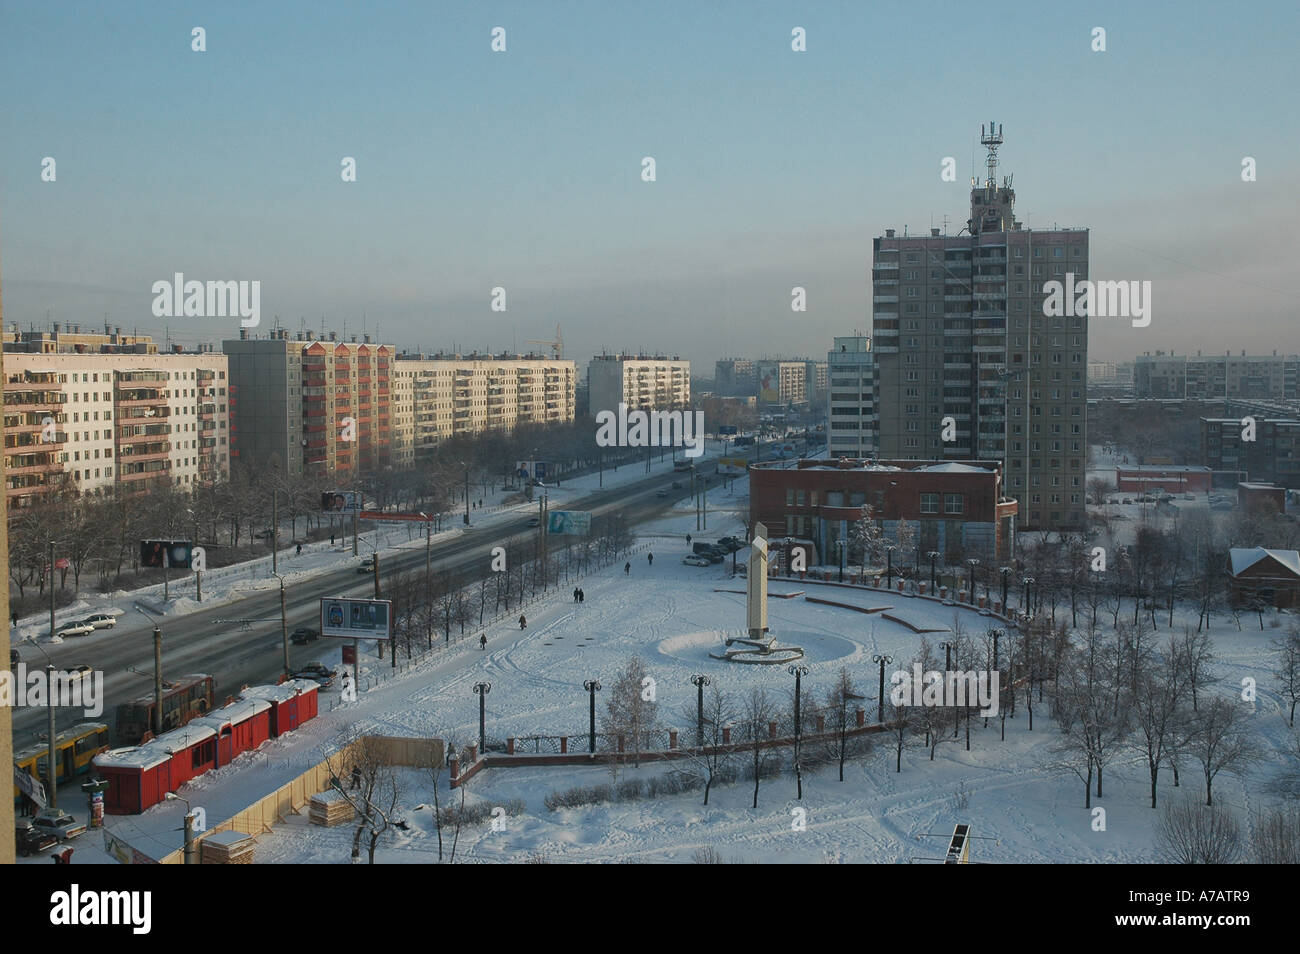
x,y
73,751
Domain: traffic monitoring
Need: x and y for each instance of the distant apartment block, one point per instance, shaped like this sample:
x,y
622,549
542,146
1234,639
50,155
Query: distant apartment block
x,y
439,396
1272,457
1222,376
781,382
850,399
960,335
639,382
314,405
87,412
734,377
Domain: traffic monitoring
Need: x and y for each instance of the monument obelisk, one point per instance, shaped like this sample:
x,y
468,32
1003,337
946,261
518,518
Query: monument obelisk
x,y
756,584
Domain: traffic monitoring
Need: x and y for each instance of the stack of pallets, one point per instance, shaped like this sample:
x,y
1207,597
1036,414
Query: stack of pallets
x,y
228,848
329,808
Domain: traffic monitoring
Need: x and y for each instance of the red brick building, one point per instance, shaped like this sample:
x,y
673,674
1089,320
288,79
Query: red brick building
x,y
1170,478
955,507
1261,498
1269,576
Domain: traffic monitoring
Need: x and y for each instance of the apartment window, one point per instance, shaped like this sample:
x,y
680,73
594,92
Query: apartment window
x,y
799,498
929,503
952,503
789,497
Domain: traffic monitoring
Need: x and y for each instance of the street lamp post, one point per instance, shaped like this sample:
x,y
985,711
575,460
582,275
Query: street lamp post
x,y
889,572
947,668
798,672
51,773
284,625
482,689
972,563
1006,573
842,544
933,555
593,687
157,669
1028,606
880,701
699,682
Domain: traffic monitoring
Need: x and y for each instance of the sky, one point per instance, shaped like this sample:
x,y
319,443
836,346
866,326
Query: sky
x,y
523,169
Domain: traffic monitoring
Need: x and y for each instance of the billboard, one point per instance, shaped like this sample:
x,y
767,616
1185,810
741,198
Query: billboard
x,y
341,501
568,522
732,465
356,619
531,469
160,553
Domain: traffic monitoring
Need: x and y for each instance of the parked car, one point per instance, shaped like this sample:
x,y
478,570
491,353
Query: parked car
x,y
367,565
715,555
677,485
534,521
304,634
101,620
317,667
1189,496
324,682
694,560
701,548
661,493
730,544
78,628
32,841
1127,500
58,823
14,659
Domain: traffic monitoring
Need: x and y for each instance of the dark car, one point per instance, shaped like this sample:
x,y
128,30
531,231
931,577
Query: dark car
x,y
31,841
661,493
714,555
323,681
317,669
534,521
367,565
677,485
14,659
304,634
730,544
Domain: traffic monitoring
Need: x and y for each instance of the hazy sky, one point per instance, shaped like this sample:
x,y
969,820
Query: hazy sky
x,y
523,169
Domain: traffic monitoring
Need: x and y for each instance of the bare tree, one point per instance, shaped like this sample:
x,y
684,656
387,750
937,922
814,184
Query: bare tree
x,y
1191,834
758,711
1288,667
710,760
839,702
630,708
1275,838
1155,712
1219,740
1194,658
367,780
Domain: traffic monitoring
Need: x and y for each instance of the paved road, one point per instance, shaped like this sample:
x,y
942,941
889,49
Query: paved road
x,y
194,643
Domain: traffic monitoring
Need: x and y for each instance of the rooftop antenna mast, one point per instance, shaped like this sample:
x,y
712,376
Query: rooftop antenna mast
x,y
991,140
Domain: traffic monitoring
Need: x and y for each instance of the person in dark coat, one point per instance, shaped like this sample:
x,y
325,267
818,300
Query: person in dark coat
x,y
522,621
627,567
650,557
575,594
482,642
356,776
582,596
688,539
300,549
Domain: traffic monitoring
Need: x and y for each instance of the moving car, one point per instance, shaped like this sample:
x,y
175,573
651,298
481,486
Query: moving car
x,y
661,493
14,659
32,841
78,628
367,565
534,521
317,667
76,673
694,560
730,544
101,620
677,485
57,823
304,634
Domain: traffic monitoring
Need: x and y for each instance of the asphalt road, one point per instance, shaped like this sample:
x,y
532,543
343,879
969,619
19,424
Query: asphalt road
x,y
194,643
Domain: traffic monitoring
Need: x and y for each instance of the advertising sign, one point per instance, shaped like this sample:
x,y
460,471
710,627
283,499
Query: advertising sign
x,y
356,619
732,465
568,522
175,553
341,501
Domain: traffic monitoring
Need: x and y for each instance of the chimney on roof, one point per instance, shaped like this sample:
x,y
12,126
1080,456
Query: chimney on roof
x,y
366,339
889,233
334,336
934,233
354,339
243,334
311,335
76,329
56,327
118,331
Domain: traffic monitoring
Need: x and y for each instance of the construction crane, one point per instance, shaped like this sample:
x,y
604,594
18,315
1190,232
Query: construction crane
x,y
557,345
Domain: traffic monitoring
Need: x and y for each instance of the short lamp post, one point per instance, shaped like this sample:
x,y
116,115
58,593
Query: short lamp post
x,y
972,563
889,570
880,701
1028,596
842,545
593,686
699,682
933,555
798,672
1006,574
190,858
481,689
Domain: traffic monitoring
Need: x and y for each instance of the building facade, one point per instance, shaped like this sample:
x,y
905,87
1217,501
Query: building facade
x,y
440,396
781,382
964,348
639,382
85,421
850,399
1273,456
956,509
1222,376
734,377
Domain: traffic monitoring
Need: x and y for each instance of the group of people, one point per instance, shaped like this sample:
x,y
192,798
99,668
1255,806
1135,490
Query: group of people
x,y
578,595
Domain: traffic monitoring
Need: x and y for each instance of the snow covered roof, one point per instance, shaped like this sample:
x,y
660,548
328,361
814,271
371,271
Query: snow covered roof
x,y
1243,558
234,713
281,693
183,737
1162,469
952,467
141,757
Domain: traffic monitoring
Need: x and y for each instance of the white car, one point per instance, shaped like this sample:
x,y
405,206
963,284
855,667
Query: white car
x,y
101,620
79,628
694,560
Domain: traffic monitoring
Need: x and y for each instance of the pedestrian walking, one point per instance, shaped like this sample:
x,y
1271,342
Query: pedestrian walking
x,y
482,642
13,618
627,567
331,539
688,539
650,557
523,623
300,549
582,596
356,776
575,594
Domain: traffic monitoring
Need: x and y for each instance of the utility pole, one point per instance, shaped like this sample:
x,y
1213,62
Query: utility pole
x,y
467,495
284,627
428,580
593,687
275,533
157,680
699,682
356,520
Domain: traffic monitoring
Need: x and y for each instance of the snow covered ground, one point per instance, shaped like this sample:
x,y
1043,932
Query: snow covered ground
x,y
671,615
